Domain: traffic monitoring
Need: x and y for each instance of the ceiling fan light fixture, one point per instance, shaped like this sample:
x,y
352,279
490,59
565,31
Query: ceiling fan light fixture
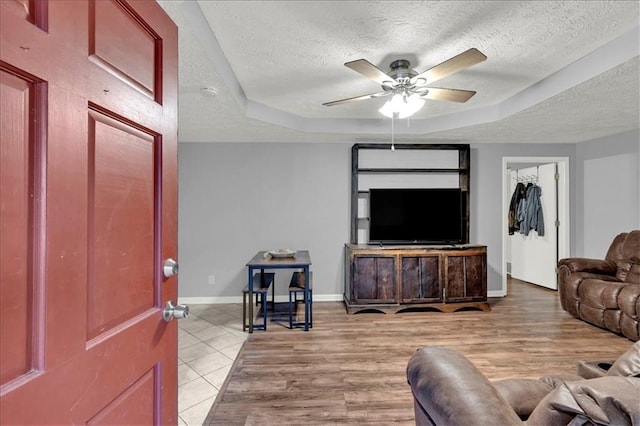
x,y
418,81
402,105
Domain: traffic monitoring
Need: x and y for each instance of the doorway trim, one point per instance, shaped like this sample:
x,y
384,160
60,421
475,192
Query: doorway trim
x,y
564,236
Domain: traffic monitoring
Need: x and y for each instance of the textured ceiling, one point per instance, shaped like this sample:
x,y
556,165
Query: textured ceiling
x,y
556,71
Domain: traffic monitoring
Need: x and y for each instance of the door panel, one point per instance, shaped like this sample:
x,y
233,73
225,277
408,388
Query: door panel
x,y
411,285
466,278
16,323
130,53
386,271
455,278
89,194
27,10
364,278
122,196
134,406
373,279
421,279
475,277
534,257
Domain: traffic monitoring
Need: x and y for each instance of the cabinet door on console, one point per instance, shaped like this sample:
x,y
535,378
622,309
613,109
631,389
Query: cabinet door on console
x,y
374,279
466,278
421,279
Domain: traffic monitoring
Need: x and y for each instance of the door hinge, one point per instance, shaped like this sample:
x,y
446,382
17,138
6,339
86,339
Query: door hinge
x,y
557,224
556,176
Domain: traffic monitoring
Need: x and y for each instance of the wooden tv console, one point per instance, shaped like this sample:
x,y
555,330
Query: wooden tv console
x,y
392,279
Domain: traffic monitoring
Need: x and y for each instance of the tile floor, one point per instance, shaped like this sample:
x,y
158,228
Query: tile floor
x,y
208,342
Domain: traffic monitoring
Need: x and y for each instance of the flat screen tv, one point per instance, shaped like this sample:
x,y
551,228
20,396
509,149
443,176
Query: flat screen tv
x,y
416,216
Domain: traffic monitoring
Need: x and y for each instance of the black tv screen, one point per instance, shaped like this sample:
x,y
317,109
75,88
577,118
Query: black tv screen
x,y
416,216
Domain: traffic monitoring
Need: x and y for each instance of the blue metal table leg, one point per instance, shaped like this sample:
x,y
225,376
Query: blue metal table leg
x,y
291,305
307,301
250,286
310,308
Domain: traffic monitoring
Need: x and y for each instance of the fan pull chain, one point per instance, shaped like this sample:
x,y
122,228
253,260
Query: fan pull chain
x,y
393,147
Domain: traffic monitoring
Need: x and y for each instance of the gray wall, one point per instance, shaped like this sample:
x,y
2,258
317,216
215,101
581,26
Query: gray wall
x,y
608,177
238,198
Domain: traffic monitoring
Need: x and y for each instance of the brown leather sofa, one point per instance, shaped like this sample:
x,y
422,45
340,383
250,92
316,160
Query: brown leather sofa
x,y
449,390
605,292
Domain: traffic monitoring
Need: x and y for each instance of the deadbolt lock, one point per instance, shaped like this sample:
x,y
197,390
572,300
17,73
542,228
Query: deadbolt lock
x,y
170,268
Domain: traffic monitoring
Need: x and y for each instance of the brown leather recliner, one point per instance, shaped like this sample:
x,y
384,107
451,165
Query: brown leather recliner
x,y
605,292
449,390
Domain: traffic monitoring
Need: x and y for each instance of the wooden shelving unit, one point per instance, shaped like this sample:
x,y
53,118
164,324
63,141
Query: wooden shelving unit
x,y
462,172
396,278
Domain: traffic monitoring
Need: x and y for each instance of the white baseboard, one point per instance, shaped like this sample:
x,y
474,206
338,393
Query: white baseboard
x,y
216,300
210,300
327,297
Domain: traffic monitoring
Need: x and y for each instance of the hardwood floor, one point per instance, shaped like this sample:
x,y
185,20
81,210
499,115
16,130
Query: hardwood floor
x,y
350,369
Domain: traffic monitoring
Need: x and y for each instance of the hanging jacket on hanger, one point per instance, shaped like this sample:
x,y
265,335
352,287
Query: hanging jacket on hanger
x,y
532,212
522,207
518,196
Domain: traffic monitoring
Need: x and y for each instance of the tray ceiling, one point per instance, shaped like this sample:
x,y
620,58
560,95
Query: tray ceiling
x,y
556,71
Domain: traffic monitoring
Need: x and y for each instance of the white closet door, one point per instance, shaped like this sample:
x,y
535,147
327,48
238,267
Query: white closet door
x,y
533,257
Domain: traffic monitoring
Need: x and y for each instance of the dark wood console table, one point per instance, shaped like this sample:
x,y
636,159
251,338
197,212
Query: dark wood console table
x,y
396,278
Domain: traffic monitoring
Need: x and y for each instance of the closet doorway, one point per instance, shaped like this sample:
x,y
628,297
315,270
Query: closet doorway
x,y
533,257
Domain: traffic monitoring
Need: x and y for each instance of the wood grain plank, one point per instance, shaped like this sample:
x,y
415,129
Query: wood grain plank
x,y
351,369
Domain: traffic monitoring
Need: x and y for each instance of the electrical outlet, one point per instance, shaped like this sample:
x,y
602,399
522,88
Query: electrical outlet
x,y
212,279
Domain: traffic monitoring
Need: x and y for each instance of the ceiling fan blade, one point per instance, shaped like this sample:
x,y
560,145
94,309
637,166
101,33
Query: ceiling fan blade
x,y
357,98
450,66
453,95
369,70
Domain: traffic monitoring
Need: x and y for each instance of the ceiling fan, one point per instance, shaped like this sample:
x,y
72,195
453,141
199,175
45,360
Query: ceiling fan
x,y
409,85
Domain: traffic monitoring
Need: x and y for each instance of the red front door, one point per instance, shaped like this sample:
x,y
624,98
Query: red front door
x,y
88,212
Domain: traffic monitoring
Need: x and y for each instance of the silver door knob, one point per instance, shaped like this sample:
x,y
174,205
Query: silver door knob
x,y
170,268
172,310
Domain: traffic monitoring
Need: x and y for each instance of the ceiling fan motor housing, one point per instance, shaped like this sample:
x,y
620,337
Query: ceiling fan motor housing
x,y
400,69
401,74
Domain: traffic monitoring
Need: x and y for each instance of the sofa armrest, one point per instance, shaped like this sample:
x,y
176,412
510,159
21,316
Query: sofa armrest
x,y
603,400
595,266
593,369
448,389
523,395
627,364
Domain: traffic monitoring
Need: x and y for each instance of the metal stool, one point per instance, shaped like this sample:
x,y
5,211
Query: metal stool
x,y
261,290
296,286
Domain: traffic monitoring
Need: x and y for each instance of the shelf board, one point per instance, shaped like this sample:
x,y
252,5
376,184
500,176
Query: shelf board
x,y
417,146
403,171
